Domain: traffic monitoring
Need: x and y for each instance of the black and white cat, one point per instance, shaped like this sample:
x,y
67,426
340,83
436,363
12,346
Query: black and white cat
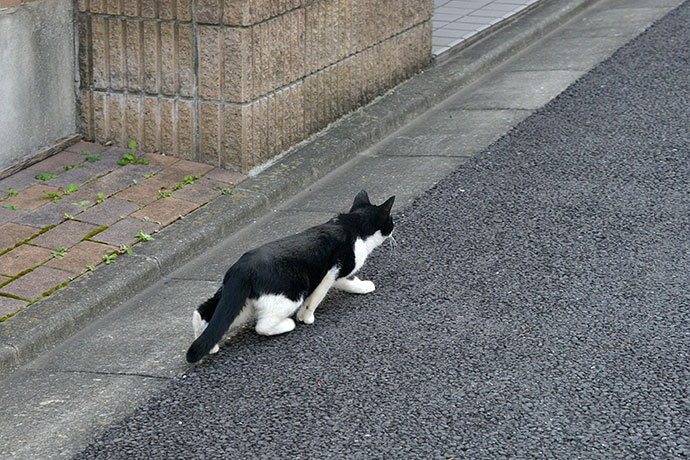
x,y
272,282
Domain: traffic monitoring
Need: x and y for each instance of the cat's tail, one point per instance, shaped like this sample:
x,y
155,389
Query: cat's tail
x,y
236,289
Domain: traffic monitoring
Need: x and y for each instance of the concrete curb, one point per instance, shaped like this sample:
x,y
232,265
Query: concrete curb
x,y
66,311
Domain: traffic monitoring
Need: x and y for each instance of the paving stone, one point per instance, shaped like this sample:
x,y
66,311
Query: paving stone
x,y
9,306
56,163
31,198
101,170
161,161
120,179
77,176
125,232
11,234
166,210
108,160
89,147
181,169
48,214
23,258
7,215
117,153
19,181
226,176
108,212
85,193
201,192
36,283
145,192
148,191
77,257
65,235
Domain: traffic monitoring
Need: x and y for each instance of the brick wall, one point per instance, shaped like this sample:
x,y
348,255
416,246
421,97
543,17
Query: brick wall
x,y
235,82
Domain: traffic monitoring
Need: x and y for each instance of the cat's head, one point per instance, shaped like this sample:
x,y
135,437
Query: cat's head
x,y
374,218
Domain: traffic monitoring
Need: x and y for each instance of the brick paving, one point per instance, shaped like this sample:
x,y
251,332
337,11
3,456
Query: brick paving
x,y
22,258
9,306
77,258
64,235
11,234
84,205
165,211
36,283
124,232
31,198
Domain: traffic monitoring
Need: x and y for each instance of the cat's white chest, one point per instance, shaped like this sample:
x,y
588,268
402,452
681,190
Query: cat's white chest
x,y
363,248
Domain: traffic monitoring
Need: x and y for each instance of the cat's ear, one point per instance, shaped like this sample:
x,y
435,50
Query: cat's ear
x,y
388,205
361,199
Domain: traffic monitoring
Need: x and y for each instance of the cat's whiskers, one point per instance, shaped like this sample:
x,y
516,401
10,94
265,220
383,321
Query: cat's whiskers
x,y
392,243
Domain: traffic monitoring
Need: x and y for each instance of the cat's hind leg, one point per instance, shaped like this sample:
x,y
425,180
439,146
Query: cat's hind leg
x,y
203,314
199,325
273,313
306,312
354,285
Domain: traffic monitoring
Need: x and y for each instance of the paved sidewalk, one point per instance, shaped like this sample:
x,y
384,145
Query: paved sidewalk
x,y
87,205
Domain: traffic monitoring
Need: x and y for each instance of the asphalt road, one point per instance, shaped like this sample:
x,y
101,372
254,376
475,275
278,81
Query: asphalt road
x,y
536,305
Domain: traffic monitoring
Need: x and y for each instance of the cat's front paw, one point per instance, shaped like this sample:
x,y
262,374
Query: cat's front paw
x,y
305,316
365,287
214,350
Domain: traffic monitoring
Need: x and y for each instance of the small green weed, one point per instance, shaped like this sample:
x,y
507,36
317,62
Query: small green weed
x,y
56,198
59,253
11,207
45,177
100,198
11,192
109,257
125,249
148,219
163,194
90,267
91,158
224,191
188,180
130,158
71,189
83,204
144,236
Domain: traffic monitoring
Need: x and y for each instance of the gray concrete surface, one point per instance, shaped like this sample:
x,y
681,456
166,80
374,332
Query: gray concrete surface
x,y
37,96
138,347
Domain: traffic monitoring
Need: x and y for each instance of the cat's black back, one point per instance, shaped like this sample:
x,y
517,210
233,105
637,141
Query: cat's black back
x,y
292,266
